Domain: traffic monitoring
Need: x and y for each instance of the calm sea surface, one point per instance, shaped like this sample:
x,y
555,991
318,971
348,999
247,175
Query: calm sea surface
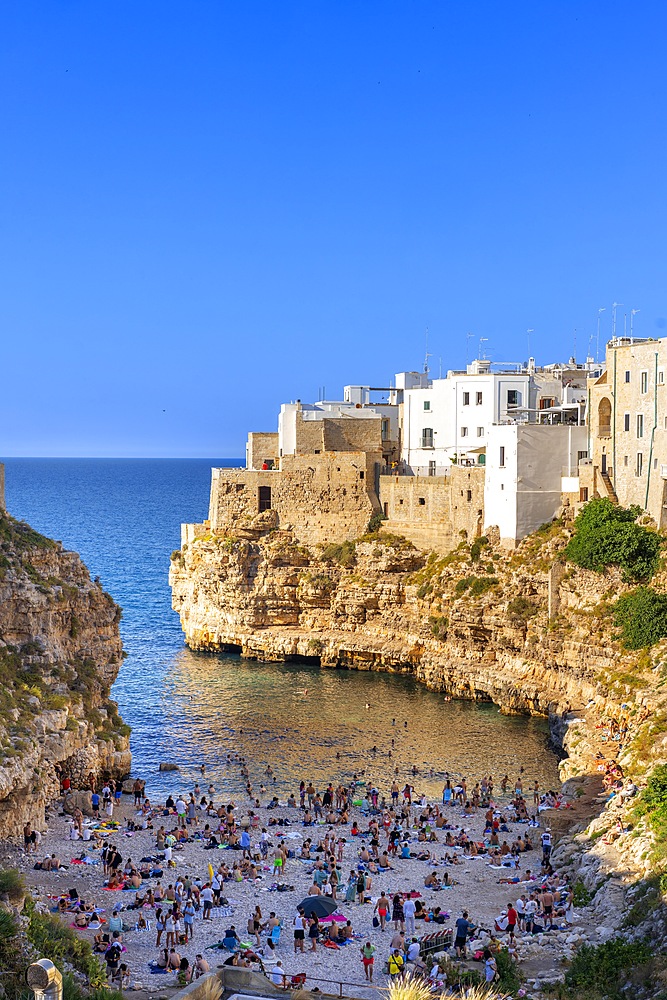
x,y
124,516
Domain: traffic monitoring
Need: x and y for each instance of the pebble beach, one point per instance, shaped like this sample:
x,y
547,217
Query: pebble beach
x,y
476,888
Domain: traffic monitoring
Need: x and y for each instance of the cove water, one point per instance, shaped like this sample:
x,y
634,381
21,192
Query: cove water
x,y
123,516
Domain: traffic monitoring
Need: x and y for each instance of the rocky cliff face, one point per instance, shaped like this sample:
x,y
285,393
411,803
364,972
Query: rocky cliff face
x,y
473,625
60,651
521,629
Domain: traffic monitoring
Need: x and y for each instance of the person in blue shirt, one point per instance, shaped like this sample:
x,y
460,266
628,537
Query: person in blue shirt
x,y
463,929
95,802
245,843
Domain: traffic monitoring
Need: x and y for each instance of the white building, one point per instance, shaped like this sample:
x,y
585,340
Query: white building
x,y
526,467
448,419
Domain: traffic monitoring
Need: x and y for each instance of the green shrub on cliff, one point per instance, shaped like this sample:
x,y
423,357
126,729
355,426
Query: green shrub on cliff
x,y
475,585
642,617
653,805
603,971
12,882
344,554
606,534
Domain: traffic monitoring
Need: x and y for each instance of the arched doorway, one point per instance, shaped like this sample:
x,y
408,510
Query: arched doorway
x,y
604,417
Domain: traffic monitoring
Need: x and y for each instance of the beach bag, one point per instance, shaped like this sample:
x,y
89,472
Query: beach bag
x,y
376,922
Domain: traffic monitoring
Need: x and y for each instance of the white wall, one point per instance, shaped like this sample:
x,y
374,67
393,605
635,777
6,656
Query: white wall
x,y
500,484
526,492
287,429
450,416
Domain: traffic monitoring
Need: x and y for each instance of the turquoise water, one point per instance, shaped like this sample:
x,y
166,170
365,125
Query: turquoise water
x,y
124,516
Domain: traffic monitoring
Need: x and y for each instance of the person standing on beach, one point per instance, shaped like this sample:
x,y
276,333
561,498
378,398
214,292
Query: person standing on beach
x,y
206,897
409,909
367,952
382,909
299,930
463,928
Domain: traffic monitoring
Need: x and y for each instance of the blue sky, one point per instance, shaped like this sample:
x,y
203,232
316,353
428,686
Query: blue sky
x,y
207,209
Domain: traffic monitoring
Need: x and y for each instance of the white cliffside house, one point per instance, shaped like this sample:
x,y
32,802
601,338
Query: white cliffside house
x,y
526,468
447,420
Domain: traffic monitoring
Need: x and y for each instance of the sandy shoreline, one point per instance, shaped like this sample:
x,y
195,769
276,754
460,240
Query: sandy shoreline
x,y
477,889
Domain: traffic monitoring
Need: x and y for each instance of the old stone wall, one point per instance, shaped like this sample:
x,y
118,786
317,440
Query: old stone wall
x,y
434,511
322,498
628,418
262,446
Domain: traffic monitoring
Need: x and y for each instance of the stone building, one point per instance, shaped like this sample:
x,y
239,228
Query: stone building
x,y
435,512
628,428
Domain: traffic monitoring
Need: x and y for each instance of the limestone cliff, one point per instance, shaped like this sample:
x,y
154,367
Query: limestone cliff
x,y
523,629
60,651
472,624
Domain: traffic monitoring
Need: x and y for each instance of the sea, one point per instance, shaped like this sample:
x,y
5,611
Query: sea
x,y
202,712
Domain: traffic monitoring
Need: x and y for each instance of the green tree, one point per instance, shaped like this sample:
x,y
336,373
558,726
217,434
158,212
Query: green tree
x,y
642,617
606,534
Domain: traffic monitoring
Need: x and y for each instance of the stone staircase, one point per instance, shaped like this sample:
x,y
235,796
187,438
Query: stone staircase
x,y
609,486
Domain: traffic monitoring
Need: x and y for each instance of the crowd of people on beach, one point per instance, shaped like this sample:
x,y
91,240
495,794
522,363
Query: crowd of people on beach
x,y
344,821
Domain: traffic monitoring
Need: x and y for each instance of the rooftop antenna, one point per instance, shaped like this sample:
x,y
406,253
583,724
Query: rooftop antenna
x,y
614,307
468,336
427,356
632,321
482,355
440,369
528,333
597,344
574,353
625,325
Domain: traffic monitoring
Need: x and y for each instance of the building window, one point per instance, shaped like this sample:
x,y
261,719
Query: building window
x,y
479,399
604,417
431,468
385,510
480,432
581,455
385,430
502,486
640,464
361,475
466,398
583,494
644,381
427,437
655,463
264,498
627,376
512,397
502,457
640,425
546,402
626,421
661,378
464,432
427,404
422,501
625,460
468,495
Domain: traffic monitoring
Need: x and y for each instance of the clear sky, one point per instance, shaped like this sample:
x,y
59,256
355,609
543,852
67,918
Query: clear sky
x,y
209,208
